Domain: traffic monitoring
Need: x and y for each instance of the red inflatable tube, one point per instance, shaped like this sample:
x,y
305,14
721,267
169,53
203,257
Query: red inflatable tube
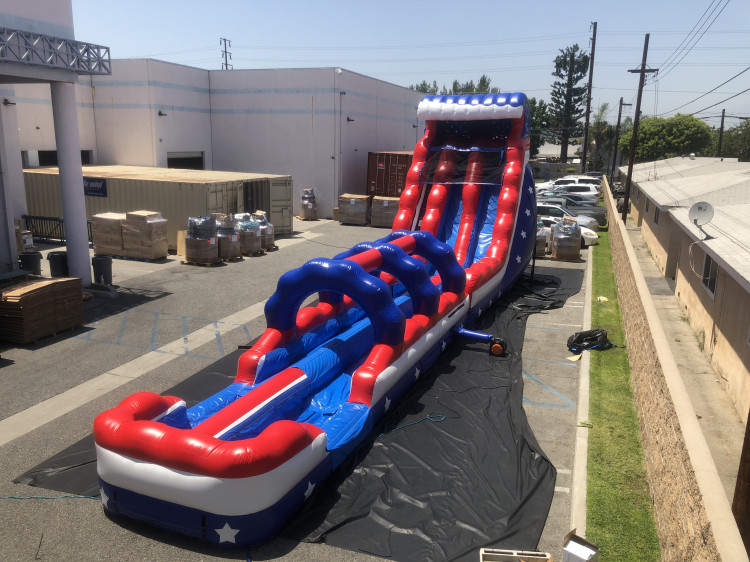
x,y
413,191
125,431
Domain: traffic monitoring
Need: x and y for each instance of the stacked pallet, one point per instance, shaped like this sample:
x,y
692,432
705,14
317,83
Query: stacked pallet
x,y
106,233
566,240
144,235
354,209
384,211
39,308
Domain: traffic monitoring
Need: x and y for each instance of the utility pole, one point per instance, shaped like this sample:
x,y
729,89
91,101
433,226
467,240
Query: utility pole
x,y
588,101
617,139
721,133
642,71
226,55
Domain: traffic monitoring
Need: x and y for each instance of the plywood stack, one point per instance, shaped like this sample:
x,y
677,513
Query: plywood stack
x,y
354,209
384,210
106,233
38,308
144,235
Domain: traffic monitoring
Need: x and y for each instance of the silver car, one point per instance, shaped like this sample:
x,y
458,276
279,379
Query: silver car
x,y
556,212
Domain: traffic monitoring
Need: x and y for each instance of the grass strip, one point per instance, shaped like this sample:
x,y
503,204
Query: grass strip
x,y
619,510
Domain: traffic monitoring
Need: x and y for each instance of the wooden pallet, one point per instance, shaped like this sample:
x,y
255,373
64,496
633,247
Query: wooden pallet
x,y
204,264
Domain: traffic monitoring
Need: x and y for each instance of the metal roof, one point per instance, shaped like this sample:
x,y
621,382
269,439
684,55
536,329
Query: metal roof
x,y
679,182
729,239
161,174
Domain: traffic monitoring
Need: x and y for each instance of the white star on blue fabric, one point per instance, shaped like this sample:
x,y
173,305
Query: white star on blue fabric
x,y
387,403
523,234
417,372
531,191
443,344
309,491
105,499
226,533
528,213
518,259
479,311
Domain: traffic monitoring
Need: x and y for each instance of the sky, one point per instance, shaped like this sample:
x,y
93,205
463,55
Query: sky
x,y
696,45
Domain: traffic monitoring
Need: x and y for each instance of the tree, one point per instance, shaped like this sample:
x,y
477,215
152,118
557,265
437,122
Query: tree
x,y
482,87
566,108
539,113
660,138
602,139
425,87
735,143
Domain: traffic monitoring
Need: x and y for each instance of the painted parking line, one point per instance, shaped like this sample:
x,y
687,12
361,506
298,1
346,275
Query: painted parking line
x,y
40,414
567,403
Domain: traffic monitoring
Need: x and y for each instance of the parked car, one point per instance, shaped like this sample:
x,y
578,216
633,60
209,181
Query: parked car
x,y
586,180
546,211
590,191
554,183
598,213
574,198
588,236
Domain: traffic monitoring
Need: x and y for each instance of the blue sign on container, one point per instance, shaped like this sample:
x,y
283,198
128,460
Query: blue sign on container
x,y
95,186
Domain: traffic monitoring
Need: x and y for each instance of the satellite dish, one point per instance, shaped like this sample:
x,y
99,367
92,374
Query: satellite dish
x,y
701,213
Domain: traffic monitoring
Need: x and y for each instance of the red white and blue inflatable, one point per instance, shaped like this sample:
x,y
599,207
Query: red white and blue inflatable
x,y
233,468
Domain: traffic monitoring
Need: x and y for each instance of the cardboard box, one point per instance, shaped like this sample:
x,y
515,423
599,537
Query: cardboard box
x,y
144,235
510,555
578,549
106,233
181,235
354,209
384,211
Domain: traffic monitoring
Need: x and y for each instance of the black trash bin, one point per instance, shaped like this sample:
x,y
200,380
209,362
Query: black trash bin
x,y
58,264
102,269
31,261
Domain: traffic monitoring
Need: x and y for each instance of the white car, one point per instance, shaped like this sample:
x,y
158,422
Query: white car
x,y
588,236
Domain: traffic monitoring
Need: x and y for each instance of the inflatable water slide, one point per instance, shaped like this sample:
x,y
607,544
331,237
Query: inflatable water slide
x,y
232,469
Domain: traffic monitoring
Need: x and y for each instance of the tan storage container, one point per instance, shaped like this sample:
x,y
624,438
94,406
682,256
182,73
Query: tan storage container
x,y
354,209
384,211
176,194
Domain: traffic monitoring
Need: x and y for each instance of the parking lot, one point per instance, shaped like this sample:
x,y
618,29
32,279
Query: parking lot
x,y
166,322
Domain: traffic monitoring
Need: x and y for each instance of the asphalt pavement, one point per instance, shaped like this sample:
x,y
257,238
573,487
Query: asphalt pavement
x,y
168,320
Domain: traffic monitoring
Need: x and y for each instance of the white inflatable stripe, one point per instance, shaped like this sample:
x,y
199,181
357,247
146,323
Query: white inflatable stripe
x,y
242,418
223,496
445,111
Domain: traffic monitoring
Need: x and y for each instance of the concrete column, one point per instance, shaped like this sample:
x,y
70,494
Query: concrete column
x,y
12,192
65,114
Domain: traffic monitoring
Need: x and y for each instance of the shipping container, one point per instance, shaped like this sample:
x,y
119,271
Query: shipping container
x,y
386,173
176,194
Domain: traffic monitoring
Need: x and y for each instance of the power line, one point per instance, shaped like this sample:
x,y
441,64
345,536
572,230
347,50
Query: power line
x,y
719,103
710,91
687,37
674,64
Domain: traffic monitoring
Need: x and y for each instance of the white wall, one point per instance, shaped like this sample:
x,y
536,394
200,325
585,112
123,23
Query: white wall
x,y
36,128
128,127
48,17
294,121
291,121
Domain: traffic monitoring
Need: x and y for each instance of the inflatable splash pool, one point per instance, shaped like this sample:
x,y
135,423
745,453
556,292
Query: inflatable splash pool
x,y
232,469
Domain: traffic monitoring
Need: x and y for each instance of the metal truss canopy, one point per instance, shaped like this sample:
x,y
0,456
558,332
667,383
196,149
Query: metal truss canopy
x,y
34,49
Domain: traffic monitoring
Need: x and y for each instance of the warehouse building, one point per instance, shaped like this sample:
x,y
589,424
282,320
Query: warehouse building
x,y
316,125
